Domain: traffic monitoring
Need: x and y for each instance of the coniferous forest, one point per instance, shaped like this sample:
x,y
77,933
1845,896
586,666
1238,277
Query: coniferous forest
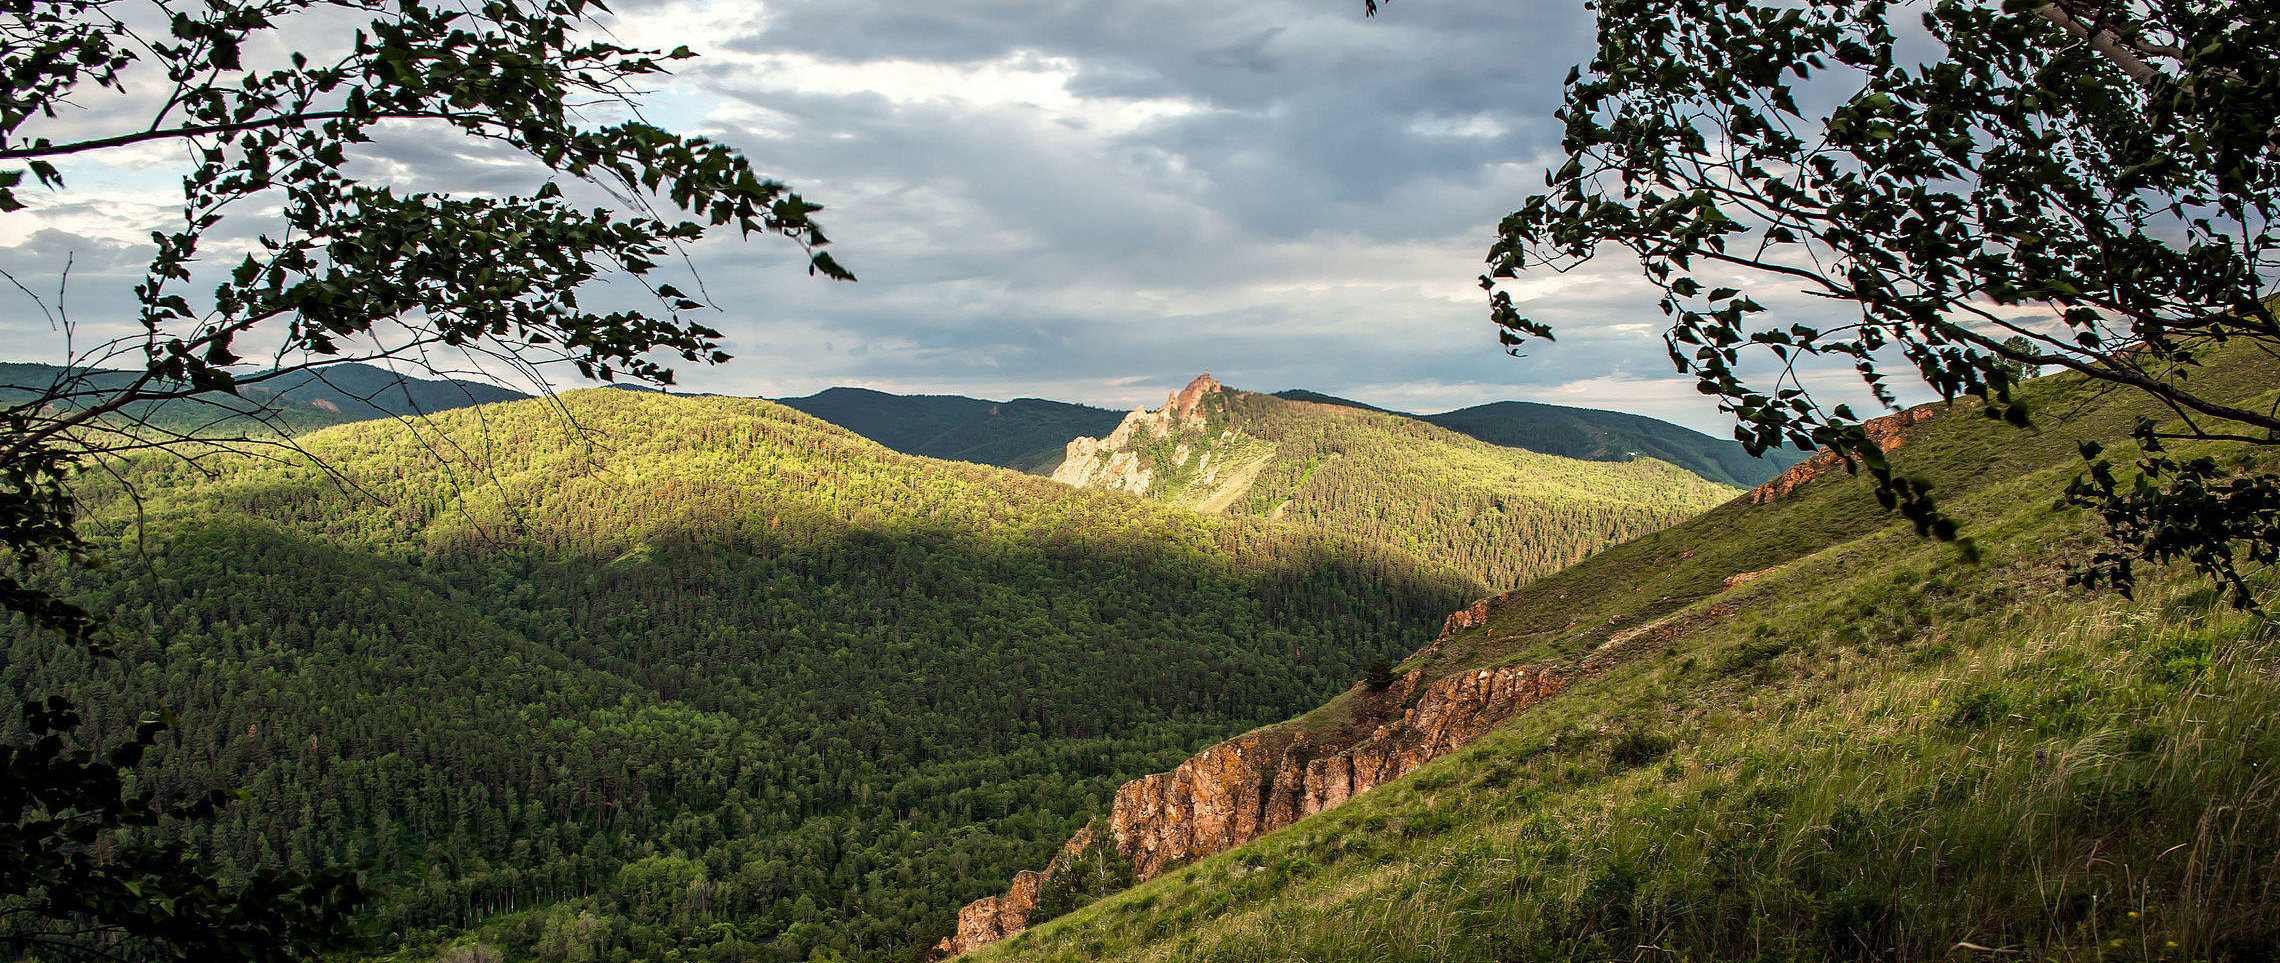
x,y
640,675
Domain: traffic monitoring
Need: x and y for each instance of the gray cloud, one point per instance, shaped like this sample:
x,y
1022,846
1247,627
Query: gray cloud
x,y
1093,200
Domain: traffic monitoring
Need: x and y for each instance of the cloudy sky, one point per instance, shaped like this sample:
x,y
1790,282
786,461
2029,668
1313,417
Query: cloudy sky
x,y
1078,199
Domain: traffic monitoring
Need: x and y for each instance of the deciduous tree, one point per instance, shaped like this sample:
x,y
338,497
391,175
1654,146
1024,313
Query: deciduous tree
x,y
274,105
2078,185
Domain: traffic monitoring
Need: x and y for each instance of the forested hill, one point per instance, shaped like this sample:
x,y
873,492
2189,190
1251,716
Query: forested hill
x,y
650,677
1025,434
1503,515
1029,434
1595,435
1791,729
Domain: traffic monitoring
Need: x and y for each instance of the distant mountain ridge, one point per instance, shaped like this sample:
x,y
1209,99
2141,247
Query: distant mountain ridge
x,y
1025,434
1596,435
363,391
1028,434
302,401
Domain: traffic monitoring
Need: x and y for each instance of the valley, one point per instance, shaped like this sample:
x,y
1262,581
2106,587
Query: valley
x,y
628,673
622,674
564,482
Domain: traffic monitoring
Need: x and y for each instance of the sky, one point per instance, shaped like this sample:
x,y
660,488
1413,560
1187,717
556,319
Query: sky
x,y
1073,199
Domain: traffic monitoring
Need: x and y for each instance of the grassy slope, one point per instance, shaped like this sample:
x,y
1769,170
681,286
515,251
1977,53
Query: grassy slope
x,y
1505,515
1877,750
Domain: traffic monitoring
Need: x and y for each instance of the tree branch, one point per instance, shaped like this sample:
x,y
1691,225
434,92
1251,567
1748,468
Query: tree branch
x,y
283,120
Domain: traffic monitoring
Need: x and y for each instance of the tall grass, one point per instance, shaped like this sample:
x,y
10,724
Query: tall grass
x,y
1886,752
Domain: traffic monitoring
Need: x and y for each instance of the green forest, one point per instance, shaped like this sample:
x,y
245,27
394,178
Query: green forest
x,y
621,675
322,642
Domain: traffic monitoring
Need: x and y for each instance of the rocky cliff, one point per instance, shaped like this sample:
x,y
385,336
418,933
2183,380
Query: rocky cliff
x,y
1889,432
993,918
1238,790
1114,461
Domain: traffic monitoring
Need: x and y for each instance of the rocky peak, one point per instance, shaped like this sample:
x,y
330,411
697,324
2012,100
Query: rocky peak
x,y
1187,399
1112,462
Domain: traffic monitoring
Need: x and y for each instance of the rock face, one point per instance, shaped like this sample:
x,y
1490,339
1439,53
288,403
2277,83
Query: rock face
x,y
1111,463
1246,787
993,918
1889,432
1469,617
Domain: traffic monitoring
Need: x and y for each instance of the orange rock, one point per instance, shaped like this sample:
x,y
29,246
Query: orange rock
x,y
1889,432
993,918
1734,580
1246,787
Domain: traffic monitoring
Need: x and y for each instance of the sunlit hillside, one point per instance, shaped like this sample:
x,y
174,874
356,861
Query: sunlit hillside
x,y
1502,515
1798,731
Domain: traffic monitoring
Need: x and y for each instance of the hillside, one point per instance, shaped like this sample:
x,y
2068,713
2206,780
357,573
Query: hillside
x,y
1787,729
1595,435
688,678
1502,515
1025,434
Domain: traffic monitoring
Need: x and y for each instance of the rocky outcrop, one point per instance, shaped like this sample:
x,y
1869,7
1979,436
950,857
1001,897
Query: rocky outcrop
x,y
1112,462
993,918
1246,787
1889,432
1470,617
1742,578
1188,399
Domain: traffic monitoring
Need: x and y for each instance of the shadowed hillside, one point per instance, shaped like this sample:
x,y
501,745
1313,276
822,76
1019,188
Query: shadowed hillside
x,y
1026,434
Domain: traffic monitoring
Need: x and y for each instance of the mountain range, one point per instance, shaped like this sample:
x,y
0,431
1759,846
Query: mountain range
x,y
1252,677
542,661
1025,434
